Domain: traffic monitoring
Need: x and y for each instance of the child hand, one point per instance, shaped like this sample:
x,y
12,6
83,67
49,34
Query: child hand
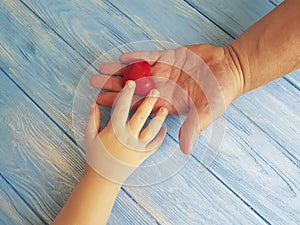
x,y
122,146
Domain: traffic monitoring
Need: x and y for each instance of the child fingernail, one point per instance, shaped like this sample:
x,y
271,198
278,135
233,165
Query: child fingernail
x,y
164,111
154,93
130,84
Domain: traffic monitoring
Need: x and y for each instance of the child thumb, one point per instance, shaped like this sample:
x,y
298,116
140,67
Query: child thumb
x,y
93,122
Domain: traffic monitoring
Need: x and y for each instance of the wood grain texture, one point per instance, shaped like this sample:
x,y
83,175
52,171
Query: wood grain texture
x,y
13,209
39,62
235,16
256,167
282,130
193,197
38,196
108,24
127,211
279,118
36,158
135,7
70,61
41,181
276,2
40,200
264,175
294,79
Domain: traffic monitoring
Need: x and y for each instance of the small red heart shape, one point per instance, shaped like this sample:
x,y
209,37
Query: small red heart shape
x,y
140,72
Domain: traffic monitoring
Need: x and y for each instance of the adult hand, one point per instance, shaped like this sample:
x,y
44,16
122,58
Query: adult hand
x,y
199,81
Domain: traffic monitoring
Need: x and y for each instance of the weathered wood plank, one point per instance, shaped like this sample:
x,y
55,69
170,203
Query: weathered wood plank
x,y
264,175
108,24
28,149
33,92
42,164
168,212
13,210
234,16
45,184
280,131
279,118
250,156
193,197
38,62
125,212
135,9
294,78
15,177
253,162
276,2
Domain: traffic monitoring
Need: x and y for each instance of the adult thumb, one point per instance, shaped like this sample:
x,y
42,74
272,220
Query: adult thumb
x,y
189,132
93,123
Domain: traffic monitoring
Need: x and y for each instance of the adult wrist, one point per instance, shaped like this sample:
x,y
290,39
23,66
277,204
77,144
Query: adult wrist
x,y
239,65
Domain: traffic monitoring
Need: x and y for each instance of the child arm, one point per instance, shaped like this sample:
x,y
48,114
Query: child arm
x,y
127,145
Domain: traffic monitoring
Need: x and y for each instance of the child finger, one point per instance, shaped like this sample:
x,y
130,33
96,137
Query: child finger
x,y
157,141
122,105
155,125
93,123
140,116
107,99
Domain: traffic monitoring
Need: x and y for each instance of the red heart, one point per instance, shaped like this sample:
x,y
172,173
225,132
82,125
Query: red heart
x,y
140,72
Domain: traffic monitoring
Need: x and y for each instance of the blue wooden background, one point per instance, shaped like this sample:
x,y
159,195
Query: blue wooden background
x,y
45,47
